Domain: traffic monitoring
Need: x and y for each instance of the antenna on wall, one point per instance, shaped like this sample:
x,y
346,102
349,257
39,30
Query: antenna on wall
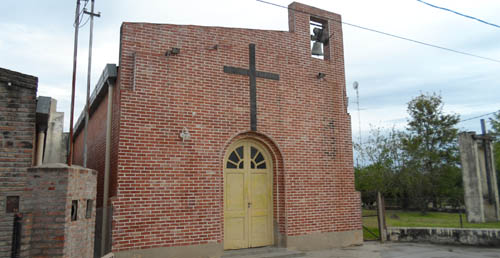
x,y
355,85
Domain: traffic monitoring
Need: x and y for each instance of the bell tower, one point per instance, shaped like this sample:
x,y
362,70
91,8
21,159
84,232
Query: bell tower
x,y
320,29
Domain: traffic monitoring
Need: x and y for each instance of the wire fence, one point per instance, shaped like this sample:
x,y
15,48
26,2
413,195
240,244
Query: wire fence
x,y
425,204
379,214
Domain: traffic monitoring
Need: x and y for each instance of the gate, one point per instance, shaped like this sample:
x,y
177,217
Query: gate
x,y
382,227
16,236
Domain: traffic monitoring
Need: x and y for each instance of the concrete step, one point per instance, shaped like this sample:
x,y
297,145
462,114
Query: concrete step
x,y
262,252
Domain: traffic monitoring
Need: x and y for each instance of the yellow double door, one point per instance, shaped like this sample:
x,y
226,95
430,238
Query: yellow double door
x,y
247,196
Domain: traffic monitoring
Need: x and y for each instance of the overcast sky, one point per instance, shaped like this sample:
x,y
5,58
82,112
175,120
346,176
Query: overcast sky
x,y
36,38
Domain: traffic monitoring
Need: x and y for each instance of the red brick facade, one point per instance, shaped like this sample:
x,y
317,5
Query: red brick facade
x,y
96,145
169,192
97,131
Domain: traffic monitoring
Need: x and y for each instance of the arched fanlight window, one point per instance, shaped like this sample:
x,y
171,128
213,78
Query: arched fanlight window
x,y
257,159
235,159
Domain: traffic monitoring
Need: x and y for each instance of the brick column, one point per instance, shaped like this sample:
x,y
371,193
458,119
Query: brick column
x,y
58,197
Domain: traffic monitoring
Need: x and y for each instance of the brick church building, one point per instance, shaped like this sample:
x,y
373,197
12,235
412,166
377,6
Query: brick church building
x,y
225,138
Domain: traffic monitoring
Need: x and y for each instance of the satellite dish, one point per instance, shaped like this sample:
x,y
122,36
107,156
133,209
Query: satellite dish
x,y
355,85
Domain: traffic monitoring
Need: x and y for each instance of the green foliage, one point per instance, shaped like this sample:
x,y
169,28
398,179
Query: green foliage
x,y
371,235
418,166
381,153
495,124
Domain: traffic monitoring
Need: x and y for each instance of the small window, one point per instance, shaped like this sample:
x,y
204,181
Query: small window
x,y
257,159
74,210
235,159
12,204
240,151
88,212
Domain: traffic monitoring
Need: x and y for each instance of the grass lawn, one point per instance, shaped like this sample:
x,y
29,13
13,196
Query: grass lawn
x,y
397,218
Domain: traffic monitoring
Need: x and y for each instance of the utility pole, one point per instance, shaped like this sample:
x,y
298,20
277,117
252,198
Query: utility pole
x,y
73,82
487,161
87,105
85,131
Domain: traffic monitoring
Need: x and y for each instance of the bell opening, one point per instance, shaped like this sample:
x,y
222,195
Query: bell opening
x,y
319,38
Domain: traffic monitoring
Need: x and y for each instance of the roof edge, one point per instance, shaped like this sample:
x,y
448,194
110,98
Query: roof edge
x,y
109,75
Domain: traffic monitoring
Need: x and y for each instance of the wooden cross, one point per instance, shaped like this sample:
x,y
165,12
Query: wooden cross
x,y
253,74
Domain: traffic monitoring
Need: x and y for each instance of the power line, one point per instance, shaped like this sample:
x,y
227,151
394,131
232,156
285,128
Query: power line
x,y
422,43
81,26
461,14
468,119
387,34
472,118
80,14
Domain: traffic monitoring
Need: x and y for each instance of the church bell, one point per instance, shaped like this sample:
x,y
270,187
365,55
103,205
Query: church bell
x,y
319,40
317,49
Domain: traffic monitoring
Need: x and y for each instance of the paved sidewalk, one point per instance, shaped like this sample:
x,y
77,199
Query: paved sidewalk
x,y
406,250
367,250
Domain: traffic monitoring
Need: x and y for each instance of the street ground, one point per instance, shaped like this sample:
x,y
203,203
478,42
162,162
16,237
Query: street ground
x,y
372,249
406,250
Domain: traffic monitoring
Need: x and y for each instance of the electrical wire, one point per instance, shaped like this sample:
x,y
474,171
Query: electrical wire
x,y
464,120
387,34
472,118
461,14
80,15
82,25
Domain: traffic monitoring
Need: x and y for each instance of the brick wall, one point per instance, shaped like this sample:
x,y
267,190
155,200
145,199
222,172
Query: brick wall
x,y
51,190
97,142
97,131
96,145
169,192
79,234
17,130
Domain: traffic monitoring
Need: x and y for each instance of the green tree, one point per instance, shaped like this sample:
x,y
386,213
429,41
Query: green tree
x,y
379,156
431,172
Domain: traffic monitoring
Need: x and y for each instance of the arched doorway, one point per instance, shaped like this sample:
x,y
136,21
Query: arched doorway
x,y
248,207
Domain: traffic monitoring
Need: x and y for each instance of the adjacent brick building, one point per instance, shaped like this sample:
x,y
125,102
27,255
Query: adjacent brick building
x,y
200,161
37,203
17,135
